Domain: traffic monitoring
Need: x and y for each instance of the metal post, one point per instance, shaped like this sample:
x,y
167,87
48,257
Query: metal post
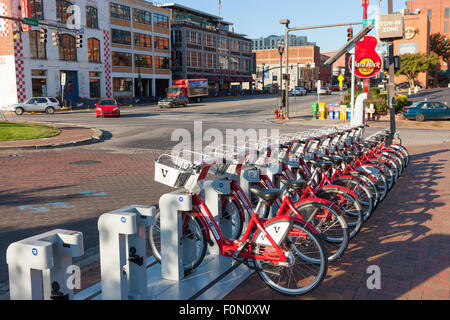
x,y
391,88
286,41
263,67
353,81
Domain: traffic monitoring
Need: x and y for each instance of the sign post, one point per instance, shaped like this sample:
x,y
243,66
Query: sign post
x,y
63,83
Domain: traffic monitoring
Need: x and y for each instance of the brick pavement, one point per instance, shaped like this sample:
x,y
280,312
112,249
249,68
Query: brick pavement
x,y
408,237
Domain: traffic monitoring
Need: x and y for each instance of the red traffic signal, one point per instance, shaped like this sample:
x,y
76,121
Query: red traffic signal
x,y
349,34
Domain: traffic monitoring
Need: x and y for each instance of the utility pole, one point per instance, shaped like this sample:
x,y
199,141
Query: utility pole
x,y
391,85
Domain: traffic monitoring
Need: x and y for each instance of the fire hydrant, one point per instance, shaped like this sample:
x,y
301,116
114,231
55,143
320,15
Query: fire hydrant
x,y
276,113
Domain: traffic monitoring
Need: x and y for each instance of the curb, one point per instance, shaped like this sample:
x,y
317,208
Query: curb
x,y
95,137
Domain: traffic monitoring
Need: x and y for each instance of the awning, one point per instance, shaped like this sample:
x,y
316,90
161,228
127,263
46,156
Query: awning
x,y
214,78
228,79
239,79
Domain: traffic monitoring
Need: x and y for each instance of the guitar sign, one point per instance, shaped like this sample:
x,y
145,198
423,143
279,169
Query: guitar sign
x,y
368,61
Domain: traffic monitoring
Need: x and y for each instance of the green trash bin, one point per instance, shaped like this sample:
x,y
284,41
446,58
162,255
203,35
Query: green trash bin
x,y
315,109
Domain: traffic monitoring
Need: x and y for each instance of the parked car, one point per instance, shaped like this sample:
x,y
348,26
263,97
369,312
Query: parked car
x,y
173,101
426,110
407,85
298,91
308,89
334,88
324,90
39,104
107,108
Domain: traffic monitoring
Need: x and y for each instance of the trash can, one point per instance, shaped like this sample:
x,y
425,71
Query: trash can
x,y
315,109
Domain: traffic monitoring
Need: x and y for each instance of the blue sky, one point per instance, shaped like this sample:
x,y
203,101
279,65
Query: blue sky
x,y
257,18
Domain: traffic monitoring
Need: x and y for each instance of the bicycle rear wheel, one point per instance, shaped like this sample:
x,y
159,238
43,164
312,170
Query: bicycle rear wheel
x,y
305,267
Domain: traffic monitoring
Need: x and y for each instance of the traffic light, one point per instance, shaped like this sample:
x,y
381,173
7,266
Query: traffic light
x,y
43,36
55,39
349,34
386,63
79,40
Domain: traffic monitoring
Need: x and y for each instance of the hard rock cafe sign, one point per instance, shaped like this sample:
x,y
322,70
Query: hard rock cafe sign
x,y
368,61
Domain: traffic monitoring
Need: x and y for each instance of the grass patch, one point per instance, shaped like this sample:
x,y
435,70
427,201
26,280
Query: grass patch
x,y
10,131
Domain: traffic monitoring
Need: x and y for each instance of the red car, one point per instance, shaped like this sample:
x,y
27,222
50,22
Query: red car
x,y
107,108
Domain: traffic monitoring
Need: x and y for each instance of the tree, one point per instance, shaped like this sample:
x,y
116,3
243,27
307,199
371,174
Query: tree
x,y
440,45
413,64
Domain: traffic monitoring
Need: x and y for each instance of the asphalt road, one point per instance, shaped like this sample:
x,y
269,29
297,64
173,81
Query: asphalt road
x,y
149,127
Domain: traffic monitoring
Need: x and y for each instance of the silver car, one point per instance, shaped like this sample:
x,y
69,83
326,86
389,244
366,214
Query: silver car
x,y
39,104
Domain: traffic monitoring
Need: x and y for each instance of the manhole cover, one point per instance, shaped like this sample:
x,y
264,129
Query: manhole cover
x,y
85,162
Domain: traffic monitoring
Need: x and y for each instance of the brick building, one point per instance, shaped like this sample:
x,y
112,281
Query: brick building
x,y
305,66
417,39
206,46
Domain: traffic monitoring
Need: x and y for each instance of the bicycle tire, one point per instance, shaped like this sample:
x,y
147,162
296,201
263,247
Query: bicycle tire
x,y
348,204
333,231
278,277
232,211
154,240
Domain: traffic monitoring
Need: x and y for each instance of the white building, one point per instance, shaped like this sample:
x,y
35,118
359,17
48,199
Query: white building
x,y
32,68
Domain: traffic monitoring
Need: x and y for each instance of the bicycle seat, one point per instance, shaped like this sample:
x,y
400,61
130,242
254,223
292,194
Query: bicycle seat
x,y
335,159
293,184
266,194
369,144
321,164
348,158
356,153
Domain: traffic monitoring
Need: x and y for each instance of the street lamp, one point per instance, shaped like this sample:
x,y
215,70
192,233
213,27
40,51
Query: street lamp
x,y
139,62
280,46
286,22
263,69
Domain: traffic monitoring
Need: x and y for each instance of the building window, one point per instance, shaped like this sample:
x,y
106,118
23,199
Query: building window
x,y
39,83
446,26
67,48
38,50
161,43
92,17
142,16
120,36
223,62
62,14
122,84
193,59
143,61
222,44
246,47
245,65
161,21
176,36
93,50
234,46
447,12
430,13
161,62
94,84
121,59
119,11
210,60
37,9
193,37
142,40
209,40
234,63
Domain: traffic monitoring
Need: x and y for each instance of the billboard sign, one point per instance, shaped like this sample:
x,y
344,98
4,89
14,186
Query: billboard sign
x,y
368,61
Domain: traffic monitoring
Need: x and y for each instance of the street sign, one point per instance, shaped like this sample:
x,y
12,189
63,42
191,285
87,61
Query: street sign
x,y
391,27
31,22
366,22
341,80
63,78
367,61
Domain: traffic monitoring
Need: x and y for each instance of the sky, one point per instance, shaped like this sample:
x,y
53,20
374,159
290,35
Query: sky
x,y
260,18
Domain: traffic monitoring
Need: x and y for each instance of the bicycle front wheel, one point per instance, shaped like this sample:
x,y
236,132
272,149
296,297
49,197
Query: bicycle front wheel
x,y
306,264
193,239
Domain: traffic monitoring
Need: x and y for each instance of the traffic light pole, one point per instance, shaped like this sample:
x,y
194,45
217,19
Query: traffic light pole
x,y
391,86
287,30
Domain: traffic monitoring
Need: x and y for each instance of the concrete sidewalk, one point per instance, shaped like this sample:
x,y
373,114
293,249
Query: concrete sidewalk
x,y
70,135
408,238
